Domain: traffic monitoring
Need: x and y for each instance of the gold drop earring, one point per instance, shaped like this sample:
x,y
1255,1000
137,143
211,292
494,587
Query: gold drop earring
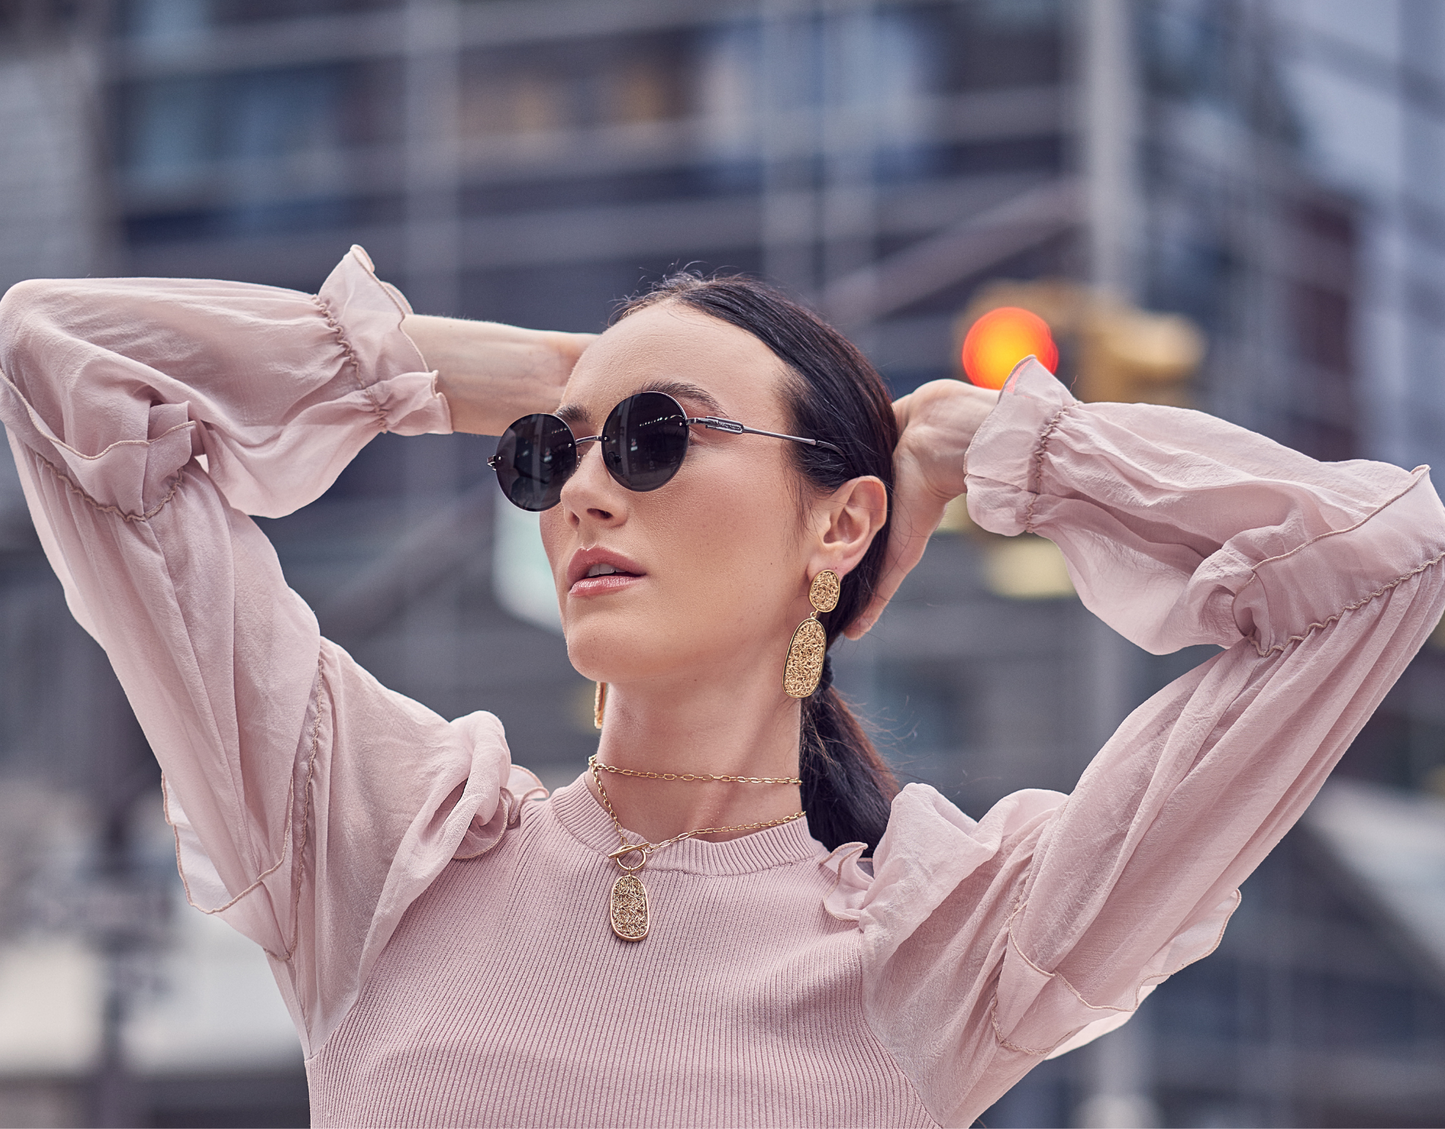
x,y
810,642
599,704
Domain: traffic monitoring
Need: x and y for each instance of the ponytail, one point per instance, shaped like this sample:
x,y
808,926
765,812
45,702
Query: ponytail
x,y
835,395
847,786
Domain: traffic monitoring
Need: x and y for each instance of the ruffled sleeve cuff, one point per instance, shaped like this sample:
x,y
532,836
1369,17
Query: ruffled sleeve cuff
x,y
366,314
1005,460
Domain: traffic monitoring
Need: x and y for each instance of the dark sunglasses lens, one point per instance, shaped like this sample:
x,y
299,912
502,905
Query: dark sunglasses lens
x,y
535,457
644,440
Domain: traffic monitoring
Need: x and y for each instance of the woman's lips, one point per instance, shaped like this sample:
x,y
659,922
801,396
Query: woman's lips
x,y
601,585
620,571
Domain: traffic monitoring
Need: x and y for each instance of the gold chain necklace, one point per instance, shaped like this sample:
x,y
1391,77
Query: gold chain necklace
x,y
628,907
702,776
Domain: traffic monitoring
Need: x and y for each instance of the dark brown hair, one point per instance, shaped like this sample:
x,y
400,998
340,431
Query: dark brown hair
x,y
833,394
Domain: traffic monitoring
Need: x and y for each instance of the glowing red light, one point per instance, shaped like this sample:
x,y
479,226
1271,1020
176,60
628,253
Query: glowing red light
x,y
1000,339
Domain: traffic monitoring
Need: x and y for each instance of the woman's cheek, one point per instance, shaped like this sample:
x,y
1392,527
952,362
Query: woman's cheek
x,y
744,569
553,531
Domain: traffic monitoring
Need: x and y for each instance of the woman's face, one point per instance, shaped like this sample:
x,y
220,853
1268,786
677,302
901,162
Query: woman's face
x,y
712,568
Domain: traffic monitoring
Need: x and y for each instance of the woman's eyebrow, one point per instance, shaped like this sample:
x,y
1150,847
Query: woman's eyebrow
x,y
574,415
571,415
681,390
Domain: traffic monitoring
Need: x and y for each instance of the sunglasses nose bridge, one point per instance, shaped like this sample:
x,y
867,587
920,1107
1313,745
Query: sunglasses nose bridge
x,y
583,447
581,478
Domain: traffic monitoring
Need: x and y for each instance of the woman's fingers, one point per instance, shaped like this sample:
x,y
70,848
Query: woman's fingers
x,y
937,422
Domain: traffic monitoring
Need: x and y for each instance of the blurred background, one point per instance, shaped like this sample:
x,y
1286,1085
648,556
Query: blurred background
x,y
1233,204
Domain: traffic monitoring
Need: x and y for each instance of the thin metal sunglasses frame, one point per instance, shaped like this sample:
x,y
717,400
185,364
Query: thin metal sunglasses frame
x,y
712,423
733,427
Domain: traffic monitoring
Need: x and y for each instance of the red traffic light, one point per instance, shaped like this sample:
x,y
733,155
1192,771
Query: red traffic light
x,y
1000,339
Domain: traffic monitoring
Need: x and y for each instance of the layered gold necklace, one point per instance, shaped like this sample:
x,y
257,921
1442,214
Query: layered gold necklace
x,y
628,907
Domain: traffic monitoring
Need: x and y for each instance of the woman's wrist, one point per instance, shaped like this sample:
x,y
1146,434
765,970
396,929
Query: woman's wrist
x,y
489,373
937,423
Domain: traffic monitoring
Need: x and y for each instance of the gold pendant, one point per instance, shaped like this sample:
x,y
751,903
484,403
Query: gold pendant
x,y
806,652
629,908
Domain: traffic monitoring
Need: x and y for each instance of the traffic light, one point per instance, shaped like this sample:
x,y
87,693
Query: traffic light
x,y
997,340
1104,349
1110,349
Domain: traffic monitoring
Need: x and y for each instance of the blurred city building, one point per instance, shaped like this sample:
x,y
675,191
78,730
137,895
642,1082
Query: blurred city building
x,y
889,161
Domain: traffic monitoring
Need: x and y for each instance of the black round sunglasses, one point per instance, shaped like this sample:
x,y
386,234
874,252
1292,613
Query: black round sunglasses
x,y
644,440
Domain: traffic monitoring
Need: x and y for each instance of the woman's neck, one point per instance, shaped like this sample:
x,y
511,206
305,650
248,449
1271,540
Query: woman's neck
x,y
738,725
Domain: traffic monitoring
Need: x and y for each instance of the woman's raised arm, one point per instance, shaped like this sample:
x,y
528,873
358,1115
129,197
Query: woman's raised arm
x,y
311,804
492,374
1000,940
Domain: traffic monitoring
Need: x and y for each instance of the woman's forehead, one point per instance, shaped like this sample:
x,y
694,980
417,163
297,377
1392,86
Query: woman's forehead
x,y
672,343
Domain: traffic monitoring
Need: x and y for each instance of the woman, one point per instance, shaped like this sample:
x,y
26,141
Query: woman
x,y
641,950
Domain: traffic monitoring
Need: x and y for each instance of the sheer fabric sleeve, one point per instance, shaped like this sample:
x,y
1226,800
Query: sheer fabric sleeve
x,y
311,805
992,944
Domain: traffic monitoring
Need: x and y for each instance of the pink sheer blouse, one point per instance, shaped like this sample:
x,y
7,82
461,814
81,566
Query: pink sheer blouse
x,y
395,866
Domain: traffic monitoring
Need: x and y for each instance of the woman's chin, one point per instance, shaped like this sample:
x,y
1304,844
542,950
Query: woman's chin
x,y
629,651
620,650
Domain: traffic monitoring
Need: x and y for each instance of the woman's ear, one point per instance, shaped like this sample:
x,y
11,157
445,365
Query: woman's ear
x,y
847,521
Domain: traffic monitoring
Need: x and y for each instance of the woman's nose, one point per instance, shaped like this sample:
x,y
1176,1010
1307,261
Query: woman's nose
x,y
591,491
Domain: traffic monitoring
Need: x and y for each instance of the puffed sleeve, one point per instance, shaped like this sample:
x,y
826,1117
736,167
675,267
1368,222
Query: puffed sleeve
x,y
148,418
992,944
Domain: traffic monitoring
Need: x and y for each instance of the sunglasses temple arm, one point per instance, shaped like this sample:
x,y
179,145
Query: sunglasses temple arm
x,y
714,423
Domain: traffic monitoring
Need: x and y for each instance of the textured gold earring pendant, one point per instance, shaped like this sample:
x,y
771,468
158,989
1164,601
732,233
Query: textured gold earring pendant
x,y
810,642
599,704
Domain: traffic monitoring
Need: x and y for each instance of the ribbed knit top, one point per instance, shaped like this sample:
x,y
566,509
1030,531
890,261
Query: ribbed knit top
x,y
744,1005
439,931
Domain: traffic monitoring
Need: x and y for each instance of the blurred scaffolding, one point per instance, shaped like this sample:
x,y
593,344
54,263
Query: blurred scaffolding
x,y
1265,168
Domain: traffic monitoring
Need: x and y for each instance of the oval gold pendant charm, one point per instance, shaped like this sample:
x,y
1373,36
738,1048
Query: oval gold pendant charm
x,y
805,659
629,908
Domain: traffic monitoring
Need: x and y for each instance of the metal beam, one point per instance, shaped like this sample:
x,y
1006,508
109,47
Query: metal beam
x,y
357,36
562,154
360,36
970,246
706,226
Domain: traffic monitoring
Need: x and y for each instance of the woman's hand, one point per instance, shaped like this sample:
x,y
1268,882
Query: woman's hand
x,y
936,423
492,374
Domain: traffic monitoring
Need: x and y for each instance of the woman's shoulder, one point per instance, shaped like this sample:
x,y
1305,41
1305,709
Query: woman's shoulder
x,y
931,847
